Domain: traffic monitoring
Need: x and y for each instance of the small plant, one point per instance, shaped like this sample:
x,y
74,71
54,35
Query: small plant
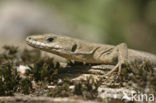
x,y
9,79
60,91
142,74
26,86
87,88
45,70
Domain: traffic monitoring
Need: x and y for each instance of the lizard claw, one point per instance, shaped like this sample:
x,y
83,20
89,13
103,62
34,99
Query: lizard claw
x,y
117,67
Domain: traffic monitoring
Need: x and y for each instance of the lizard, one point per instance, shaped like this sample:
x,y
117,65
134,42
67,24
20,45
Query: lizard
x,y
84,51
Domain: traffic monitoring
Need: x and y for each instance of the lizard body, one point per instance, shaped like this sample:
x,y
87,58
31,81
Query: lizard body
x,y
83,51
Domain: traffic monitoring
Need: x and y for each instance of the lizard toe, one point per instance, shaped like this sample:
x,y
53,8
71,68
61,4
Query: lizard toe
x,y
113,70
117,68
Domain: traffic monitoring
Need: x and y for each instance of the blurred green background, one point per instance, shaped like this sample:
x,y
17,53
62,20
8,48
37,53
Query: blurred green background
x,y
101,21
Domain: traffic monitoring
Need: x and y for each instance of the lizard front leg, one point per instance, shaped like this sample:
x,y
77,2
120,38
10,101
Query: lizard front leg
x,y
122,56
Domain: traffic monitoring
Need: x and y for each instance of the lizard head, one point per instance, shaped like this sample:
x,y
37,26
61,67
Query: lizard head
x,y
50,42
60,45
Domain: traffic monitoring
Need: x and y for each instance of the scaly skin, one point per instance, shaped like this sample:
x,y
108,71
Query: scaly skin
x,y
83,51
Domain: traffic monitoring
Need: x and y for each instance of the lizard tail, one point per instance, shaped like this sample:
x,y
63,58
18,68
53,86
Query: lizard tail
x,y
140,56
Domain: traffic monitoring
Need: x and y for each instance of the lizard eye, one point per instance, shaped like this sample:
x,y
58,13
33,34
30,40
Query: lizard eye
x,y
74,48
50,39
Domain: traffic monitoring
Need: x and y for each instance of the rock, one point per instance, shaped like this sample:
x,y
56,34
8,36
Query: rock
x,y
28,99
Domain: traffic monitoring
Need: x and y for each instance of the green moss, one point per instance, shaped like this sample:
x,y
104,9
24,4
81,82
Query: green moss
x,y
88,89
60,91
141,74
9,79
26,86
45,70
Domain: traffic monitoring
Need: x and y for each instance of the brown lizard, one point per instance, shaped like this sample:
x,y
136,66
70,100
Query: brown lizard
x,y
83,51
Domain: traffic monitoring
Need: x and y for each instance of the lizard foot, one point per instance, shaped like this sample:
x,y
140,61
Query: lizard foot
x,y
116,68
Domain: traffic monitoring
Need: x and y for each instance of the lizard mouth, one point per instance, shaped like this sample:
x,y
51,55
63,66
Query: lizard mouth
x,y
40,45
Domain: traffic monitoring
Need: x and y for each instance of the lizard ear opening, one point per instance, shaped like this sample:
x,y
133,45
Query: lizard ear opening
x,y
74,48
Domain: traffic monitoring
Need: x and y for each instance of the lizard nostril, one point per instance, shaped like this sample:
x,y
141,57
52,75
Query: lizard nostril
x,y
74,48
